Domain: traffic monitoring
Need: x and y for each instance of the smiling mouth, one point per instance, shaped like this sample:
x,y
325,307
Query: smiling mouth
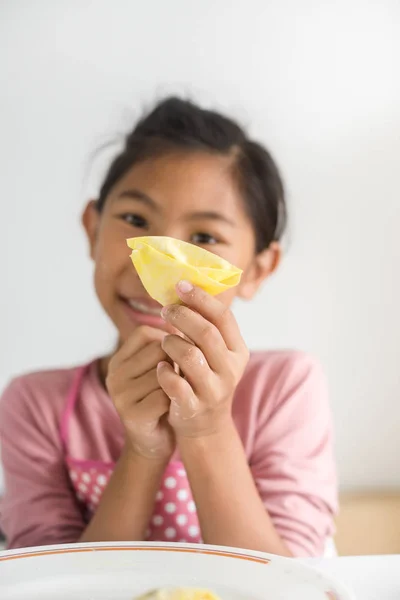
x,y
144,308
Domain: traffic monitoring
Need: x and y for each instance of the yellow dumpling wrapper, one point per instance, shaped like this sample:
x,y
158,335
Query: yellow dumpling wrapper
x,y
179,594
161,262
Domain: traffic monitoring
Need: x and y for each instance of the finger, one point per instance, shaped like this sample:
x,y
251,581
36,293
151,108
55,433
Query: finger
x,y
215,312
125,396
141,362
183,401
191,362
153,407
140,338
204,334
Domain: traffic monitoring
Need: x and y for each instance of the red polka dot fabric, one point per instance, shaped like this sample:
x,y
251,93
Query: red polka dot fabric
x,y
174,518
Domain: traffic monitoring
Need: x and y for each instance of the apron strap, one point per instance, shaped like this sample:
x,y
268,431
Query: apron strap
x,y
72,397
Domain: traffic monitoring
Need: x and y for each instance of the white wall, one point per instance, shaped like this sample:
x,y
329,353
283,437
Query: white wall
x,y
317,81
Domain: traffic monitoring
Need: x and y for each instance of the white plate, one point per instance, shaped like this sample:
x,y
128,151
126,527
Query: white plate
x,y
122,571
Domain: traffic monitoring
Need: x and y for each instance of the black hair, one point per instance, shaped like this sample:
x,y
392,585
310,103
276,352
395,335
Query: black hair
x,y
180,124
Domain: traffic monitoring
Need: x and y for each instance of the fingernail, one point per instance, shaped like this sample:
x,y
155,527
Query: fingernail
x,y
161,365
184,286
164,312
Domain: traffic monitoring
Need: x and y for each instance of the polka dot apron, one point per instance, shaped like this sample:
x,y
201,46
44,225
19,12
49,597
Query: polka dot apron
x,y
174,518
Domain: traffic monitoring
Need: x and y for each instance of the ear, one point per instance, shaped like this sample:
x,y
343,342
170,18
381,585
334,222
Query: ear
x,y
90,222
263,265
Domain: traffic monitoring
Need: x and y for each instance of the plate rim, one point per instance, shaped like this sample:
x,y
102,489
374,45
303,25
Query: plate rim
x,y
203,549
227,552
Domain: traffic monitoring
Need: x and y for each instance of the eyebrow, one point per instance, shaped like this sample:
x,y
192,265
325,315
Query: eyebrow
x,y
211,215
194,216
140,196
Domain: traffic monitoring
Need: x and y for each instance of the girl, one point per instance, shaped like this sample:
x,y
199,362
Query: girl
x,y
236,449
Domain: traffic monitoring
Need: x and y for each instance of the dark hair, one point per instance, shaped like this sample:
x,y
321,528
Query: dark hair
x,y
180,124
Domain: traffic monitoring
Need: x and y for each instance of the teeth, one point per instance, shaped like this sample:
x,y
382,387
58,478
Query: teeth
x,y
141,307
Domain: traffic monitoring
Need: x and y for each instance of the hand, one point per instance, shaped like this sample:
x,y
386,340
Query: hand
x,y
212,366
140,402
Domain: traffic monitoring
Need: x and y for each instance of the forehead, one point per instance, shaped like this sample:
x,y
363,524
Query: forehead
x,y
183,181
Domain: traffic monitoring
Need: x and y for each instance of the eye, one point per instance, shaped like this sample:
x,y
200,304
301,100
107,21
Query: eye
x,y
202,239
134,220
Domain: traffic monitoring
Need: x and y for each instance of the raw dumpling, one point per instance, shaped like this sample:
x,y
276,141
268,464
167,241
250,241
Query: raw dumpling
x,y
179,594
163,261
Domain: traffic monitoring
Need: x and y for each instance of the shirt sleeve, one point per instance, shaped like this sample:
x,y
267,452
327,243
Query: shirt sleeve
x,y
292,462
39,506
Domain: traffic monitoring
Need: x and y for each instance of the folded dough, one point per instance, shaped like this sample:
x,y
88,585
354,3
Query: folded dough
x,y
179,594
163,261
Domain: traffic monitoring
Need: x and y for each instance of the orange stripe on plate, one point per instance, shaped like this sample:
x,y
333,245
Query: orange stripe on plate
x,y
78,550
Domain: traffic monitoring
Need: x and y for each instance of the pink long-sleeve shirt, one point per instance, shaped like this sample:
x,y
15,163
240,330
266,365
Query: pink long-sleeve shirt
x,y
61,437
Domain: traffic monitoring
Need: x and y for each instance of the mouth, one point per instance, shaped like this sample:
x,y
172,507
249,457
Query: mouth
x,y
144,307
142,310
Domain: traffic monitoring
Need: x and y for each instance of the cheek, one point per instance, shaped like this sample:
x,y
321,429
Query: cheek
x,y
245,258
227,297
102,275
245,262
110,259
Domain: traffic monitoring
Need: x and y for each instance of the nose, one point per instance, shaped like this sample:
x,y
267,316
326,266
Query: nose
x,y
173,229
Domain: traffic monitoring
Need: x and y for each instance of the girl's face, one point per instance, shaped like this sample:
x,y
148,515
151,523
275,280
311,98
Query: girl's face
x,y
192,197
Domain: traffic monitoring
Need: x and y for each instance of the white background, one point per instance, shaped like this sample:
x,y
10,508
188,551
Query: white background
x,y
317,81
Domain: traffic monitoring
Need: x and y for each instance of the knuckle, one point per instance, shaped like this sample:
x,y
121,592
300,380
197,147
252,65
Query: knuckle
x,y
192,355
208,333
225,316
